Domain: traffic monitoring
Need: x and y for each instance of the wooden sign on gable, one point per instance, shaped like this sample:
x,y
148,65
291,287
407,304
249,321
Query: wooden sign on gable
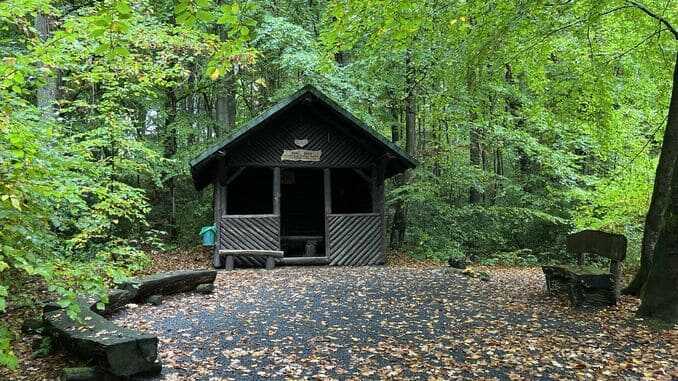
x,y
300,155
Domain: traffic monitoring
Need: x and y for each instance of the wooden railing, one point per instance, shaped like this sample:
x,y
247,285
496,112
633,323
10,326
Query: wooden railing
x,y
355,239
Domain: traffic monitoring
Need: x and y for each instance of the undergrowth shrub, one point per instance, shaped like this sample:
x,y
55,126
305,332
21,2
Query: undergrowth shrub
x,y
492,234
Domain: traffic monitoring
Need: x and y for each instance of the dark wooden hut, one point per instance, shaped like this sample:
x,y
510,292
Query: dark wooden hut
x,y
303,182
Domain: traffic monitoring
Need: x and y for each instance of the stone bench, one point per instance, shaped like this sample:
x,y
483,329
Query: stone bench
x,y
585,288
270,255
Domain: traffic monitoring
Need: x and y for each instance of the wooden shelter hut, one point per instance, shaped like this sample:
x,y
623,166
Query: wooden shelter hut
x,y
303,183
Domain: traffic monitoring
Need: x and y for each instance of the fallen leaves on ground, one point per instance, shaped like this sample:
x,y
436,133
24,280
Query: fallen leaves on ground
x,y
397,323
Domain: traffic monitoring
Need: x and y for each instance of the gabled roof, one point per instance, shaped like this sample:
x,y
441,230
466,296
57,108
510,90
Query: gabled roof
x,y
203,165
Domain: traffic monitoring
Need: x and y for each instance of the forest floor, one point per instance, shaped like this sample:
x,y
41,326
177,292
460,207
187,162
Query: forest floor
x,y
406,320
397,322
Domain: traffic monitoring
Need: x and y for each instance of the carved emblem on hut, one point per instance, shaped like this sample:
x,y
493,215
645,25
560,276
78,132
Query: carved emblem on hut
x,y
301,143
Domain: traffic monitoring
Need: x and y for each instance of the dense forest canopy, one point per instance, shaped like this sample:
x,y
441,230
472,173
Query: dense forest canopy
x,y
530,119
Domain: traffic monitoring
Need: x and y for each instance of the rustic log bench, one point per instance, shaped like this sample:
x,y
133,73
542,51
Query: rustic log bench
x,y
594,289
116,351
270,255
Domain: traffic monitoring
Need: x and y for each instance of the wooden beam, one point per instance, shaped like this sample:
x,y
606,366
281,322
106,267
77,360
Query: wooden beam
x,y
217,200
222,170
302,237
237,216
378,175
362,174
235,175
253,253
304,261
353,214
327,191
276,191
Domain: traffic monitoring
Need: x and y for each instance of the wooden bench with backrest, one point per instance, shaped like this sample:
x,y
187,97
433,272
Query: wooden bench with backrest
x,y
270,255
585,288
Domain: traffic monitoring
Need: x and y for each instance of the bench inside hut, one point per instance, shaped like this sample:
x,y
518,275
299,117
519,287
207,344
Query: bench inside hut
x,y
302,183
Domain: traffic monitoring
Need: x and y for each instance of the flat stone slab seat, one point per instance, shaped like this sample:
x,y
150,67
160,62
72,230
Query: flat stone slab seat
x,y
115,350
271,256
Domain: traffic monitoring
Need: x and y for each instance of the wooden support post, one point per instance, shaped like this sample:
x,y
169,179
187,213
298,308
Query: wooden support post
x,y
270,263
378,172
230,262
217,260
327,190
615,271
219,202
276,191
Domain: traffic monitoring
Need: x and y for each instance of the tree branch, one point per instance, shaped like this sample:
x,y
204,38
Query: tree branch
x,y
655,16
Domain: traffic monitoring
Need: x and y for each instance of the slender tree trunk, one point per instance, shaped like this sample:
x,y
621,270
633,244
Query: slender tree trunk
x,y
169,150
225,105
395,240
46,95
475,149
400,214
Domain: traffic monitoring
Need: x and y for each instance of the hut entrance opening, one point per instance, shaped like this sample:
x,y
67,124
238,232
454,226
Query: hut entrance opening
x,y
302,212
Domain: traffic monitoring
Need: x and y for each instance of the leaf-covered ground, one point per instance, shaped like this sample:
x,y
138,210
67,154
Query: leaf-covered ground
x,y
397,323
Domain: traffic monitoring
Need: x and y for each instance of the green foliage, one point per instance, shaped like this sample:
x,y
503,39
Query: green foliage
x,y
512,258
7,357
99,117
72,210
566,102
619,204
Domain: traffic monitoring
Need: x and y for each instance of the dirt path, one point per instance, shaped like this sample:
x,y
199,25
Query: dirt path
x,y
396,323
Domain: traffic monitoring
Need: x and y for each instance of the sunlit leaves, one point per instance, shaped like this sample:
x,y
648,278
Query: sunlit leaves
x,y
191,11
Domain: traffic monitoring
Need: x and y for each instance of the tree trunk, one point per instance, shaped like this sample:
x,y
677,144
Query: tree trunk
x,y
225,105
660,196
660,292
475,150
169,150
400,214
167,283
46,94
396,238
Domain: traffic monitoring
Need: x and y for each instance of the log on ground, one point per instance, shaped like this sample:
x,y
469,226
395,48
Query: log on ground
x,y
116,350
168,283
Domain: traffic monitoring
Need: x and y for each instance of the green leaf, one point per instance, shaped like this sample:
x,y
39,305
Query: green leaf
x,y
16,203
205,16
123,8
121,51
